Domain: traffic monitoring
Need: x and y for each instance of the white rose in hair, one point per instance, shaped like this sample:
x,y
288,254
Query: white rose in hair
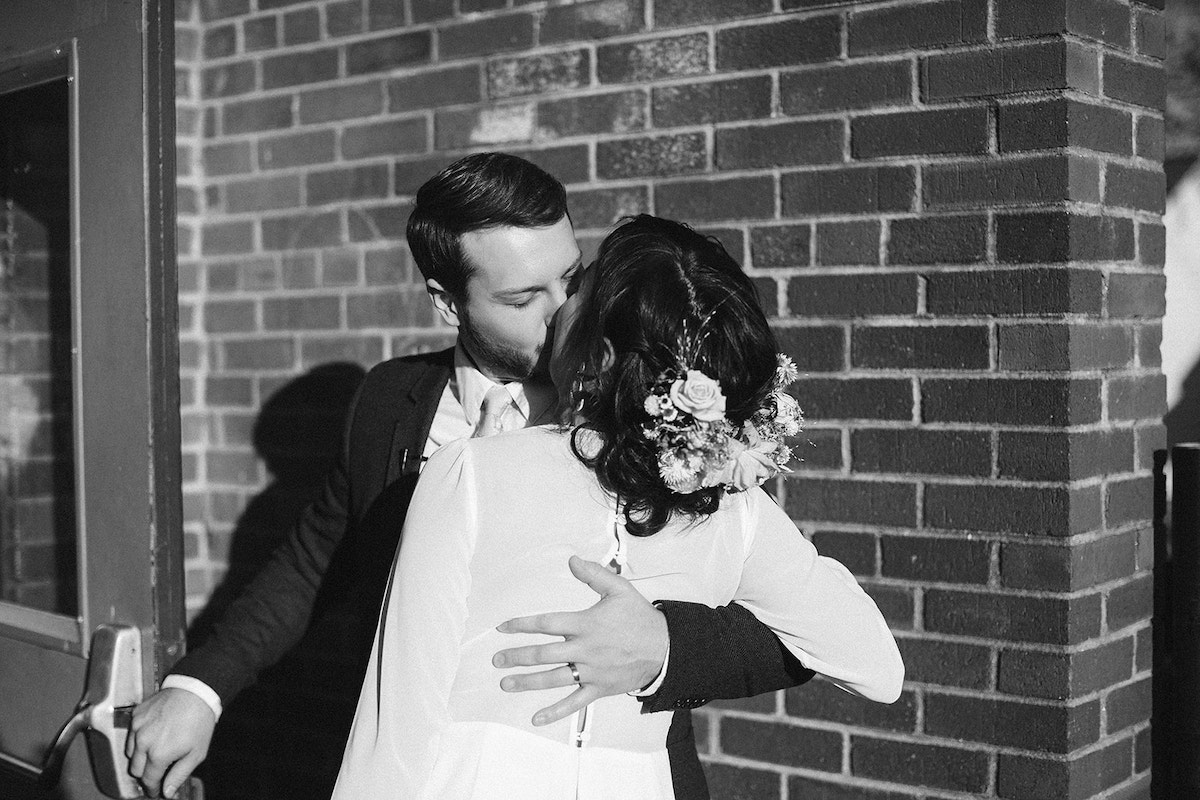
x,y
699,395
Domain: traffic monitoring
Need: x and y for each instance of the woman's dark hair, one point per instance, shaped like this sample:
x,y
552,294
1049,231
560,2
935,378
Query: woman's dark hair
x,y
480,191
660,292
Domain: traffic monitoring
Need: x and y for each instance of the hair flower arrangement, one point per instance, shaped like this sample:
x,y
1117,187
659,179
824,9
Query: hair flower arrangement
x,y
699,448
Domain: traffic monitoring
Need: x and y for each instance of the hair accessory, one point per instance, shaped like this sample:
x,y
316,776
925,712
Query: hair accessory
x,y
699,448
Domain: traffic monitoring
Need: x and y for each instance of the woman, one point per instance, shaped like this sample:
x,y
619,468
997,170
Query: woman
x,y
668,371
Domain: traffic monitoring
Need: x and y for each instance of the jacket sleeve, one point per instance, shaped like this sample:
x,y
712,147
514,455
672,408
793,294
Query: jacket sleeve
x,y
272,612
720,654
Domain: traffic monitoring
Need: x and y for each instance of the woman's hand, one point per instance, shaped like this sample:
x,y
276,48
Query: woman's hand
x,y
619,645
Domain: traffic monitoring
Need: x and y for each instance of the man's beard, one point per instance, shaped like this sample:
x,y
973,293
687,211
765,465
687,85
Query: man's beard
x,y
504,362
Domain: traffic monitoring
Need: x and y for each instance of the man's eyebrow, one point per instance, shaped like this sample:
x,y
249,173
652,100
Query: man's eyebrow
x,y
509,293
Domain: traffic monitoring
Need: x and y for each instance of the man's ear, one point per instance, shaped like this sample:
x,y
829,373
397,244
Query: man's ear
x,y
444,302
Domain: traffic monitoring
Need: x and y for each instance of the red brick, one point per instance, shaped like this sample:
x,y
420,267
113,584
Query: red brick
x,y
855,551
220,41
1011,401
1059,568
476,6
1149,345
846,243
921,347
1025,67
617,112
935,560
915,764
852,295
848,190
946,663
233,158
599,208
1024,292
938,132
486,125
1064,347
1105,20
779,743
228,316
424,10
1011,509
1137,398
379,222
258,194
568,163
872,85
1136,295
730,198
259,114
1042,179
817,448
410,308
411,173
930,452
712,101
689,12
1150,32
653,59
780,43
302,27
257,354
226,237
822,700
1136,82
1149,138
1021,777
741,783
676,154
938,240
434,89
780,246
301,313
1062,676
1054,729
918,26
1016,618
307,230
313,147
1131,603
343,101
315,351
844,788
538,74
1127,706
1060,122
385,138
816,349
402,50
858,501
1049,456
354,183
779,145
1139,189
228,80
591,20
1060,236
293,69
344,18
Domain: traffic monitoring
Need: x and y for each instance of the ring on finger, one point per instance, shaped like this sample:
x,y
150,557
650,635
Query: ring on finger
x,y
574,672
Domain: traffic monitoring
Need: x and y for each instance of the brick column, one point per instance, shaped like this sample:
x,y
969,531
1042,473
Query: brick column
x,y
982,304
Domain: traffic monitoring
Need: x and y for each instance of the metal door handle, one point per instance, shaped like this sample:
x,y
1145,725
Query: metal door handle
x,y
114,686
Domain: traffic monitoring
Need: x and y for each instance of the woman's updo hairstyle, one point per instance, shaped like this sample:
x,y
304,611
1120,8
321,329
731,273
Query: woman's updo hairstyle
x,y
665,298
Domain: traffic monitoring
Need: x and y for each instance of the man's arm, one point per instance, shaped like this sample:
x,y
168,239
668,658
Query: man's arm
x,y
619,644
171,730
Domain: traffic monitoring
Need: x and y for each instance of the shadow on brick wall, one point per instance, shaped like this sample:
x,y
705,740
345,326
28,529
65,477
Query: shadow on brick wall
x,y
283,737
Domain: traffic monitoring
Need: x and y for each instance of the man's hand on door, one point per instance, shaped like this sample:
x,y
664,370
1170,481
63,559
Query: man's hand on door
x,y
168,738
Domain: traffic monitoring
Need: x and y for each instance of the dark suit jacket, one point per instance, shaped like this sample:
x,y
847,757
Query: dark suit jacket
x,y
715,653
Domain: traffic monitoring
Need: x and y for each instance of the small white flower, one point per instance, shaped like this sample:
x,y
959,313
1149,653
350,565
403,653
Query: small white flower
x,y
652,406
677,473
785,370
787,414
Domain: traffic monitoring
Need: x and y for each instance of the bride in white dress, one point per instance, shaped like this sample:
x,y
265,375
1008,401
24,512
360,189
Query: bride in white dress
x,y
678,418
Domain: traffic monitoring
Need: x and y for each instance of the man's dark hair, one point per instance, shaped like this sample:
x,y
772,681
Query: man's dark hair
x,y
484,190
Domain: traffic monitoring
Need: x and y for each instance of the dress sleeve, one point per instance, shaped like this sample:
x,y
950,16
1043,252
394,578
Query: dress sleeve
x,y
402,708
815,606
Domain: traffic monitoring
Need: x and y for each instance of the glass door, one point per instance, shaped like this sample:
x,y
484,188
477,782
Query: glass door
x,y
90,533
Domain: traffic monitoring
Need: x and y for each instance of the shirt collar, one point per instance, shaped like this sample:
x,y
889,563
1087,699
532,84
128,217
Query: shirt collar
x,y
534,399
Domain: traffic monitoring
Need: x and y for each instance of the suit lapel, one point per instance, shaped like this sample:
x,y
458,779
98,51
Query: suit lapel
x,y
414,418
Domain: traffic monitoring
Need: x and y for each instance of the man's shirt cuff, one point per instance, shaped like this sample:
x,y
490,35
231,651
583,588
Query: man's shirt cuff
x,y
657,683
203,690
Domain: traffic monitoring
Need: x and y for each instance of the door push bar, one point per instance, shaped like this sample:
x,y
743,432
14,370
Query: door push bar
x,y
114,687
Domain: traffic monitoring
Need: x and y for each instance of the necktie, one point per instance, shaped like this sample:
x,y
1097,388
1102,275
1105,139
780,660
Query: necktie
x,y
496,403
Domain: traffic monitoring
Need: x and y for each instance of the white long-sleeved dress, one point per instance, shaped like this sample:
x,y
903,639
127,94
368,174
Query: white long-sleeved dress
x,y
488,534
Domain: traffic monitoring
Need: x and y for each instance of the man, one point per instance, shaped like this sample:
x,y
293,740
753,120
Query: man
x,y
493,239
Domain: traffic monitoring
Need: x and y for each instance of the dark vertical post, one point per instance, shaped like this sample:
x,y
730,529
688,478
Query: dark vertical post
x,y
1185,612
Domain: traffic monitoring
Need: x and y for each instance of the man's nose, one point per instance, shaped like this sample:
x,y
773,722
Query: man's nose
x,y
558,296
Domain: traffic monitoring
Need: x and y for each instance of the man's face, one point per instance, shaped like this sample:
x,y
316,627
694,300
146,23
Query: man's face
x,y
519,281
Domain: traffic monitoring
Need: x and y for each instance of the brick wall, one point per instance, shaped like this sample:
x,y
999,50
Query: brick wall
x,y
952,210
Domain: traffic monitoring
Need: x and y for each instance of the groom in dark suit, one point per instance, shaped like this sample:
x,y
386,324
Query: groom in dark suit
x,y
493,239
